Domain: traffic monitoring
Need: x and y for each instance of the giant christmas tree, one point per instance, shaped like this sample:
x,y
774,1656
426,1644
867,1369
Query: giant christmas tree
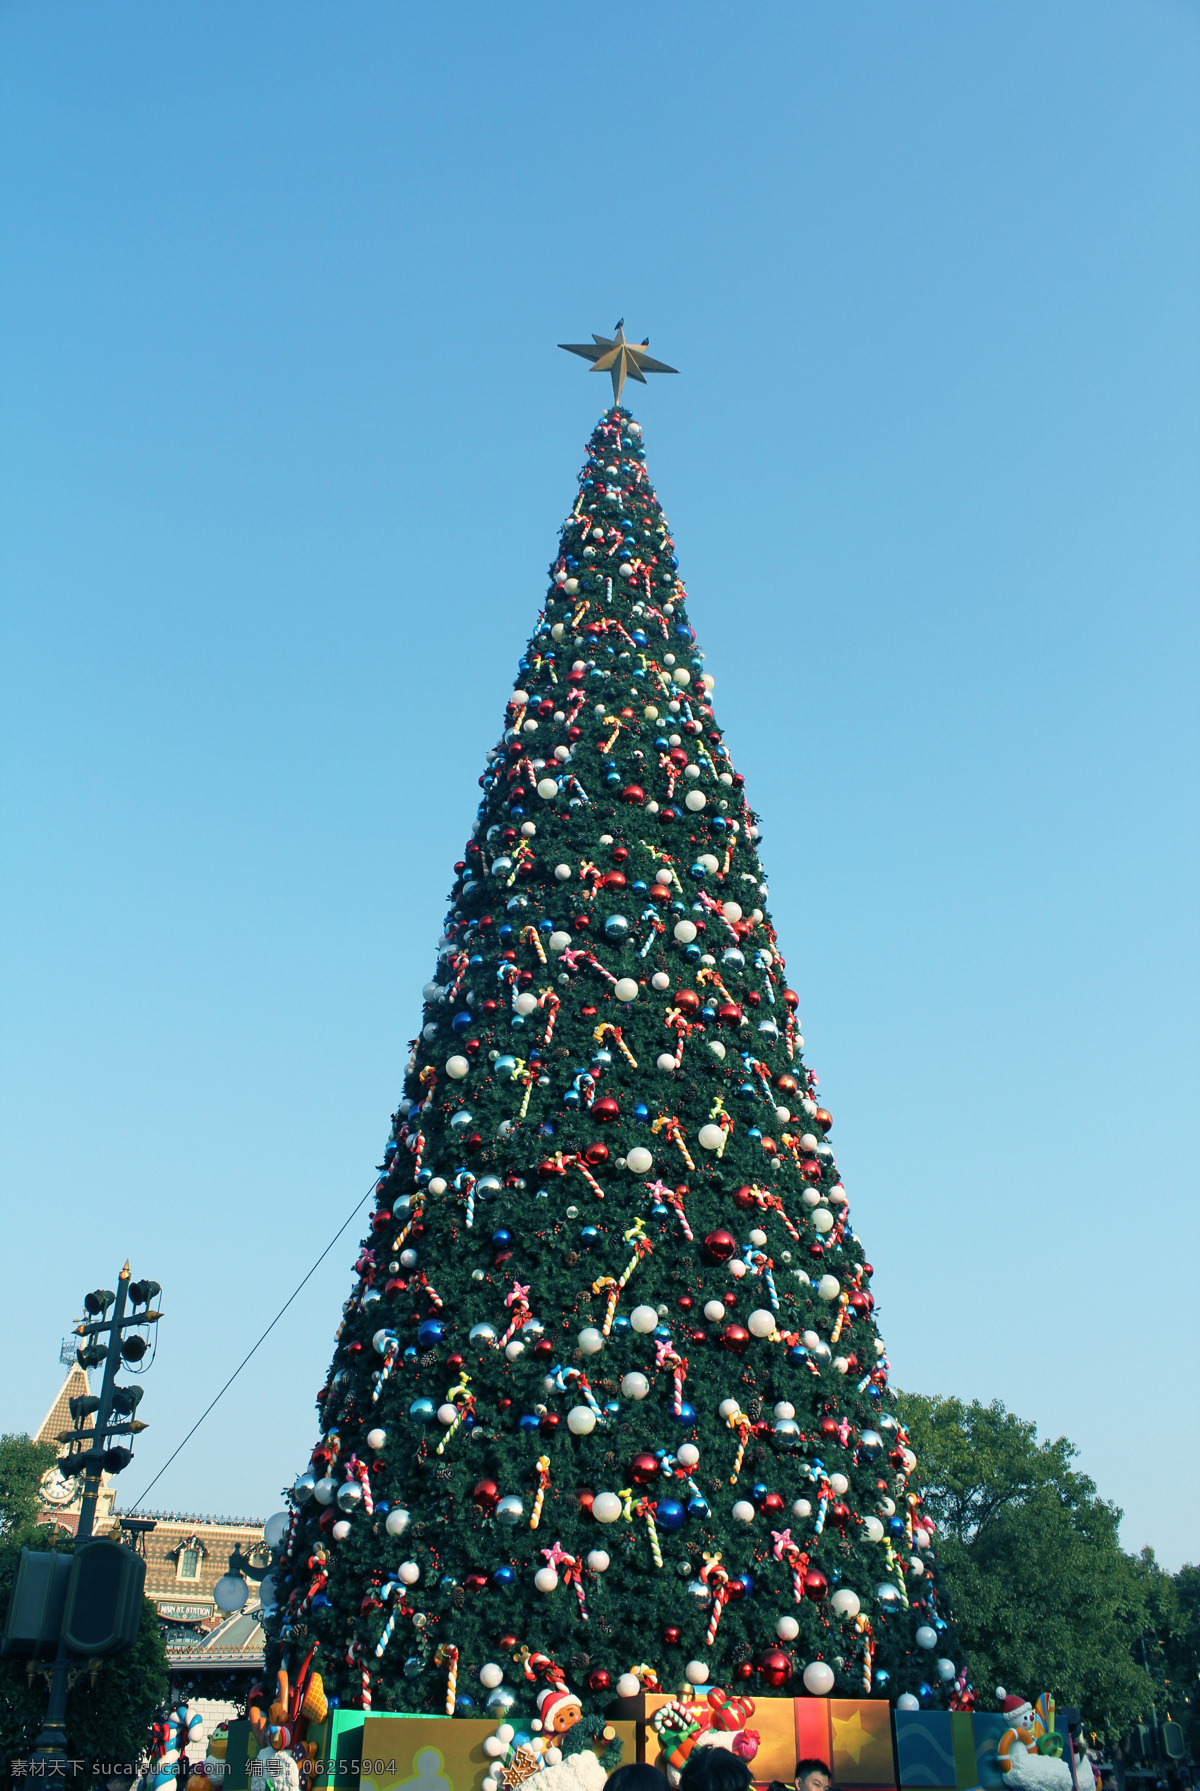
x,y
608,1390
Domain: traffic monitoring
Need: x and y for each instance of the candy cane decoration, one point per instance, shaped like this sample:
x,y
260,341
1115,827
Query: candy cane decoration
x,y
577,1374
549,999
543,1470
645,1508
516,1299
464,1402
447,1654
389,1357
674,1131
675,1018
526,1076
607,1029
739,1422
356,1469
353,1656
580,1163
415,1211
786,1548
863,1625
666,1355
611,721
598,967
822,1508
657,926
672,1197
598,1286
716,1579
531,936
844,1304
464,1180
392,1589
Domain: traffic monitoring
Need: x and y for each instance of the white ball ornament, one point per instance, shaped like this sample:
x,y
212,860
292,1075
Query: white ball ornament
x,y
945,1668
758,1238
926,1636
784,1409
681,676
908,1701
916,1565
558,942
818,1678
514,1349
397,1521
639,1161
761,1323
666,1063
787,1629
598,1560
626,989
325,1491
525,1004
731,910
340,1530
447,1413
684,931
710,1137
562,872
838,1485
845,1602
823,1220
635,1386
714,1310
801,1508
547,788
737,1268
829,1287
873,1529
490,1676
696,1672
606,1508
695,800
687,1455
545,1579
628,1686
581,1420
408,1573
660,981
437,1185
727,1408
457,1068
590,1341
644,1319
743,1512
717,1049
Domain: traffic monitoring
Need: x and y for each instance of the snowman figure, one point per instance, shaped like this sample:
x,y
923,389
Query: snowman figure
x,y
1029,1760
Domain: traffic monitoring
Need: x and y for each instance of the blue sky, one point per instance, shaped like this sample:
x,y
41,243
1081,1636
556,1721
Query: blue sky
x,y
286,444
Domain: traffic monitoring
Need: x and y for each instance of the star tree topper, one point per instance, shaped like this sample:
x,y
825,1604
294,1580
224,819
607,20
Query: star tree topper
x,y
615,356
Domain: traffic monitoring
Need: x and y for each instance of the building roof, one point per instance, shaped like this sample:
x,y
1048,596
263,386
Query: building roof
x,y
59,1416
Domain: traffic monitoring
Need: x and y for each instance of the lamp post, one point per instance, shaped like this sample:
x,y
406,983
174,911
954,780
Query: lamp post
x,y
113,1413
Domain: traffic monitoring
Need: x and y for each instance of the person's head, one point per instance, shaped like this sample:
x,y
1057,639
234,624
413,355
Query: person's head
x,y
635,1777
715,1769
812,1775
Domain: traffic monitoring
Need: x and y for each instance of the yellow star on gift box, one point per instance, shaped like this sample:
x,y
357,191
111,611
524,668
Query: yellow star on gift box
x,y
849,1736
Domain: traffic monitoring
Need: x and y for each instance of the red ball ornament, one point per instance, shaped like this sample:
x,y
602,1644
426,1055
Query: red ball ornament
x,y
744,1197
684,1302
829,1426
454,1361
549,1424
475,1582
743,1670
729,1013
810,1169
510,1641
486,1494
473,1141
633,793
721,1246
840,1514
736,1338
686,1000
791,999
586,1498
546,1168
598,1680
620,854
787,1084
815,1585
643,1468
596,1154
774,1667
773,1501
671,1636
542,1349
615,880
822,1119
605,1109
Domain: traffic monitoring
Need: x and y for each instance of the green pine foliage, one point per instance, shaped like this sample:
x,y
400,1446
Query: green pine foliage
x,y
608,1104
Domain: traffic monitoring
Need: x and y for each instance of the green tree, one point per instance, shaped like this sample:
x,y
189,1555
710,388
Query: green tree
x,y
108,1719
610,1233
1044,1596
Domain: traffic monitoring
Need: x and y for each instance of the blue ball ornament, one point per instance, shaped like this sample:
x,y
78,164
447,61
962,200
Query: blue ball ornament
x,y
505,933
621,1326
882,1676
432,1331
747,1580
686,1415
670,1515
797,1355
462,1022
659,1212
529,1422
662,1332
516,811
503,1575
501,1238
421,1411
759,1492
925,1691
612,1408
463,1705
589,1235
698,1507
642,1112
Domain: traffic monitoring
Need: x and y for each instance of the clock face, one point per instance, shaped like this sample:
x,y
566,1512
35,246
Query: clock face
x,y
56,1490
